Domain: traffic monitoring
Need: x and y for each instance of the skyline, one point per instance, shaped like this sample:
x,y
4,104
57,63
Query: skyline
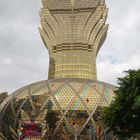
x,y
24,58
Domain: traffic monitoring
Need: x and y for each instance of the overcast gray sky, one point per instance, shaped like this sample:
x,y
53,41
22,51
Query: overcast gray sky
x,y
24,59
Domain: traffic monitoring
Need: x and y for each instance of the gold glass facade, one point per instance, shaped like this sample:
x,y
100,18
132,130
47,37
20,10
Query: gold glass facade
x,y
73,31
67,97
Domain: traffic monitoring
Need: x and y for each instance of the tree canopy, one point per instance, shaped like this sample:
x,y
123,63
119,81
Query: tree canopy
x,y
124,113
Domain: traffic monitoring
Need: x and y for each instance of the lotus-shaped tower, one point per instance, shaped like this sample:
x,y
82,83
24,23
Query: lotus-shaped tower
x,y
73,31
72,98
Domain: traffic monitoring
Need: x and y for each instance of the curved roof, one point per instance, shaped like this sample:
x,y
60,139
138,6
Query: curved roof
x,y
65,96
40,87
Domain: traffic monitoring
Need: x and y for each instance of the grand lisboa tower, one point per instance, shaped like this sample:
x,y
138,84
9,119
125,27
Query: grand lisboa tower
x,y
66,105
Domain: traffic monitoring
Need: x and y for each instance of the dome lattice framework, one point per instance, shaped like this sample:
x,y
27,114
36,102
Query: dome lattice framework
x,y
70,98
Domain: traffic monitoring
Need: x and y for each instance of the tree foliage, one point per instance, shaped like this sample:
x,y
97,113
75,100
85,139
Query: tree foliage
x,y
124,112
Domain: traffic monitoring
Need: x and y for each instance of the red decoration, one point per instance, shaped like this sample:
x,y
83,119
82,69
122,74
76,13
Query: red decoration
x,y
87,100
32,129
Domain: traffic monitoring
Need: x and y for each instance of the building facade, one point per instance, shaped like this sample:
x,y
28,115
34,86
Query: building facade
x,y
73,32
72,98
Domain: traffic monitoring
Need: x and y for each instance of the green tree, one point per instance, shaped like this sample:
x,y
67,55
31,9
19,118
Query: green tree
x,y
124,113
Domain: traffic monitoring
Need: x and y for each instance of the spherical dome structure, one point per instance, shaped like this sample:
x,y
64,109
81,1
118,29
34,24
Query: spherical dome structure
x,y
67,99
